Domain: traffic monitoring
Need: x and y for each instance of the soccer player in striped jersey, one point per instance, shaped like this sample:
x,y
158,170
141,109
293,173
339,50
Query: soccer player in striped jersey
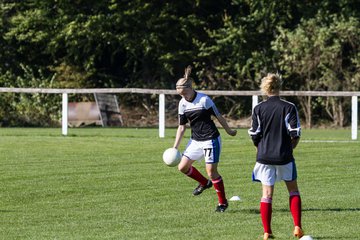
x,y
275,132
205,142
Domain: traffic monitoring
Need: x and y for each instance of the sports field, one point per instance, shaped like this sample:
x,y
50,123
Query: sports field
x,y
100,183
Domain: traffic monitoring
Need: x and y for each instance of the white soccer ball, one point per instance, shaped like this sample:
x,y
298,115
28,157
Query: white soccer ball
x,y
306,237
171,157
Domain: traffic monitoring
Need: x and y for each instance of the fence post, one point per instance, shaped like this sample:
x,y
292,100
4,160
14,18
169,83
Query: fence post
x,y
354,117
255,101
161,115
64,114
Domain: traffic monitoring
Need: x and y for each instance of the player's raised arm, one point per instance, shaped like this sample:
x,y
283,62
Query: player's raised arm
x,y
220,118
225,125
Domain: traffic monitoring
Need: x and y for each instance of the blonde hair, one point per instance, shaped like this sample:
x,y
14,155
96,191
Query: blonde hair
x,y
271,84
186,81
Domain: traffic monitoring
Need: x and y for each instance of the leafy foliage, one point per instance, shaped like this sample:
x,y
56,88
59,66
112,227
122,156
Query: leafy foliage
x,y
140,43
322,53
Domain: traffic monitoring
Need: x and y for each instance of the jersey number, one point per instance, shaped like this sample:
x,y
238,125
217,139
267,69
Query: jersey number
x,y
207,152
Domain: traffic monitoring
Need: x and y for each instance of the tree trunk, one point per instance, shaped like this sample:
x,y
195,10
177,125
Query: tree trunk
x,y
305,103
334,108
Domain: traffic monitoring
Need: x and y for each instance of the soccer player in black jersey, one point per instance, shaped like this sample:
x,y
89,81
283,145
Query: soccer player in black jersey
x,y
275,132
205,142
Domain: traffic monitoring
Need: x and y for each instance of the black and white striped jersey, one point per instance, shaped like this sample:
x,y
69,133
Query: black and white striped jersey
x,y
198,113
274,123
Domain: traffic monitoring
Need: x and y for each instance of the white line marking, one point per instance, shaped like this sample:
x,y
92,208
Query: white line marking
x,y
329,141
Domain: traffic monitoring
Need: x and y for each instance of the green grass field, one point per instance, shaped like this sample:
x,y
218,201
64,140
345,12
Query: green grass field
x,y
100,183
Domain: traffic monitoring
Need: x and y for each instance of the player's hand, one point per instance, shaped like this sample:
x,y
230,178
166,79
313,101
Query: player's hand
x,y
232,132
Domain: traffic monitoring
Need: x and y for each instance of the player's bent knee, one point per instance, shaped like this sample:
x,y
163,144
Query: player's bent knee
x,y
184,168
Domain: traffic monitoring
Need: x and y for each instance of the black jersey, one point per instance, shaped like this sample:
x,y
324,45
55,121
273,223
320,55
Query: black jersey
x,y
274,123
198,113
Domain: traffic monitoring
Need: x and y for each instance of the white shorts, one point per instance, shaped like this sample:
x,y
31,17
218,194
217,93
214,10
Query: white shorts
x,y
209,149
269,174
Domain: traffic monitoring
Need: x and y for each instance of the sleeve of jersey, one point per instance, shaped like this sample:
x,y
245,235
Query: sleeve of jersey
x,y
255,131
182,118
292,122
210,106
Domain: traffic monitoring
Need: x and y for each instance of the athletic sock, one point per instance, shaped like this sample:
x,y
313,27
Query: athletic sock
x,y
266,211
196,175
220,189
295,207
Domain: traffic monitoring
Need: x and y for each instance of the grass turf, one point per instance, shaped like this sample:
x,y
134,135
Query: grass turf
x,y
100,183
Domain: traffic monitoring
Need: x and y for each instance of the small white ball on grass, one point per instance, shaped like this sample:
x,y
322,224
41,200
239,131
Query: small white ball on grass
x,y
306,237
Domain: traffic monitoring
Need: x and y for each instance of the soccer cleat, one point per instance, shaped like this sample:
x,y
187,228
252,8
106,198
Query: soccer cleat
x,y
298,232
221,207
268,236
199,189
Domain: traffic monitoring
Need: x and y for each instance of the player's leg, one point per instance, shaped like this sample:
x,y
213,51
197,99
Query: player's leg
x,y
295,206
212,149
288,173
266,174
266,209
219,186
193,152
185,166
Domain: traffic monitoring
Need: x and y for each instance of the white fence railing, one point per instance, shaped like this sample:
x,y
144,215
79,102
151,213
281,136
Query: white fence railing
x,y
162,92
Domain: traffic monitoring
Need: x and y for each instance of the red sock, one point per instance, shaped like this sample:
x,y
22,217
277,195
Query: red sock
x,y
220,189
266,211
295,207
196,175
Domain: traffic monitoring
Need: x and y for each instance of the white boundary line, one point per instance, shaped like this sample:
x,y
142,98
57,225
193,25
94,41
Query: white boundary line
x,y
328,141
308,141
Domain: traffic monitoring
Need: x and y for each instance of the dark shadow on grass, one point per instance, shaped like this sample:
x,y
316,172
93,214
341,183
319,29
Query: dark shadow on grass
x,y
256,211
324,210
239,210
6,211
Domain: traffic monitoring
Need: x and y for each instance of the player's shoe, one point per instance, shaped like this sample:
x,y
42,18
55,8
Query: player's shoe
x,y
298,232
268,236
221,207
199,189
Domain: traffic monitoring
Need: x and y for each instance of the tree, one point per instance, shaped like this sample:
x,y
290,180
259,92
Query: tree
x,y
322,54
142,43
238,53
